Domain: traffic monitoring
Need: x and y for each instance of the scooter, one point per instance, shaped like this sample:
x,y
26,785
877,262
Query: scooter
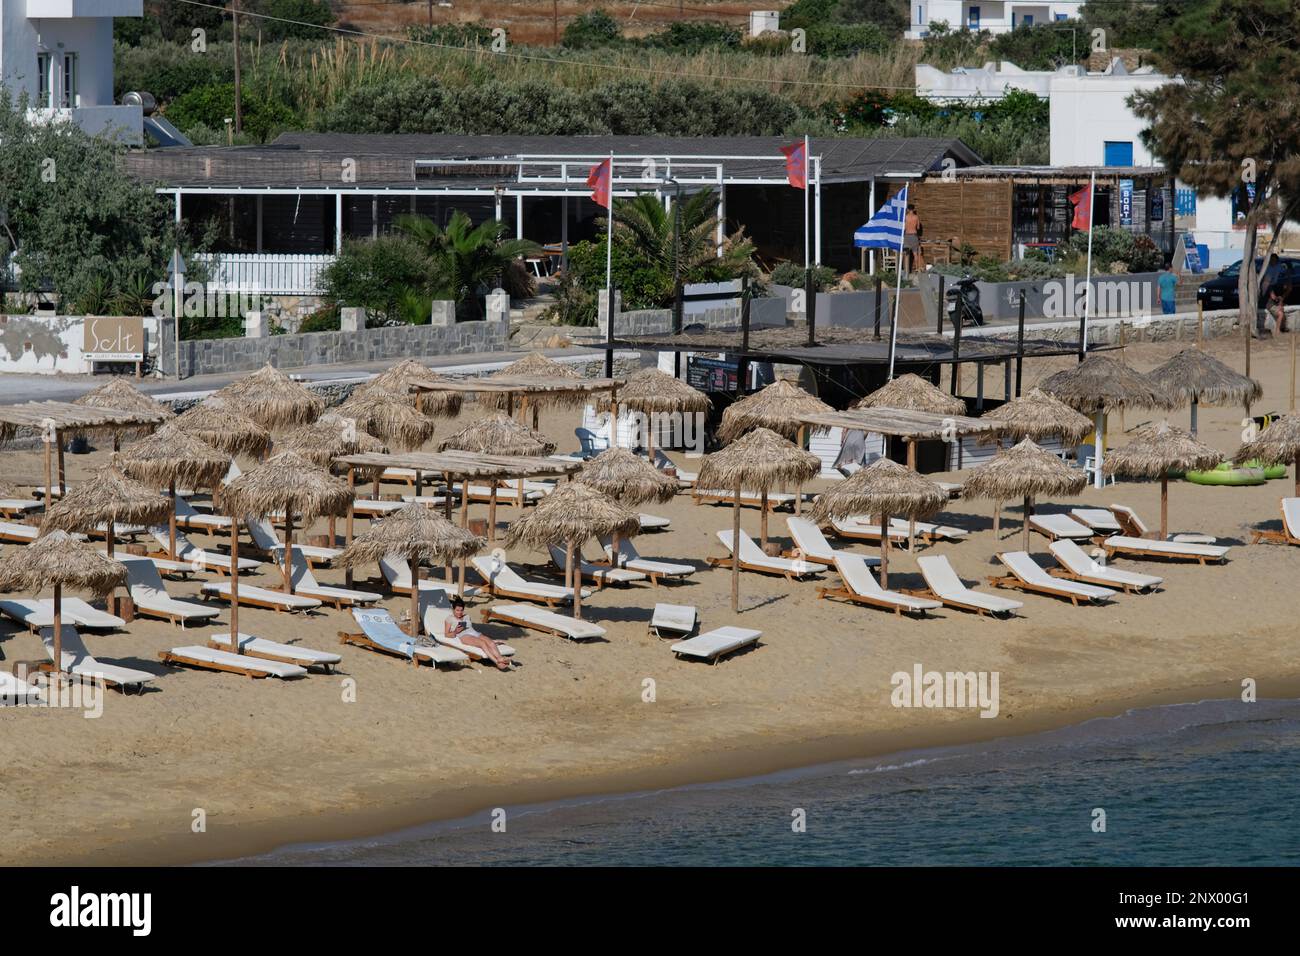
x,y
964,302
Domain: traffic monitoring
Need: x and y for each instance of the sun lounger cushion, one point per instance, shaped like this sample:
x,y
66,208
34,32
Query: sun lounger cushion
x,y
378,625
926,528
1125,512
304,656
653,522
1075,560
716,643
600,572
264,538
863,526
18,504
753,556
149,593
436,611
398,575
188,552
1098,519
1027,571
35,613
305,583
199,656
1059,526
677,619
857,577
78,661
1178,548
526,615
502,576
944,582
1291,516
290,602
11,531
14,690
630,558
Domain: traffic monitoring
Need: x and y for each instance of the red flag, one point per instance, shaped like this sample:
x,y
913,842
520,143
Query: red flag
x,y
599,180
796,165
1082,201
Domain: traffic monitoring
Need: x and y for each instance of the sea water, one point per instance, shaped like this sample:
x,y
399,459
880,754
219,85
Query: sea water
x,y
1215,782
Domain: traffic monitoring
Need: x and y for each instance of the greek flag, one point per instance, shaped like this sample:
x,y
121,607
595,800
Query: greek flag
x,y
884,230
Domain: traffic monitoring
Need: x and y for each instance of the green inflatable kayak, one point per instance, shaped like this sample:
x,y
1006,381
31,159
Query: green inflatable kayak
x,y
1227,474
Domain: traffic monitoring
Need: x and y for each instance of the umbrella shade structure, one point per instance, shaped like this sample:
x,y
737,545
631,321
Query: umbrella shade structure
x,y
271,398
1100,384
915,394
497,434
651,392
224,429
170,457
120,394
773,407
536,365
1195,377
1157,450
571,514
883,488
1037,415
417,534
1023,471
627,478
59,560
1279,442
404,376
389,416
107,497
329,437
759,460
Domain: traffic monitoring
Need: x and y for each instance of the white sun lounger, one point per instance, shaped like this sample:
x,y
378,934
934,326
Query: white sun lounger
x,y
397,573
653,522
305,583
18,533
187,551
504,580
145,585
14,691
662,461
262,597
211,659
1028,576
929,531
1176,550
36,613
673,620
79,662
541,619
600,574
1058,526
436,611
861,587
379,632
18,506
754,499
1099,520
1079,565
716,644
263,649
1135,527
508,493
752,558
193,520
945,586
864,529
810,542
375,508
629,557
265,539
1290,533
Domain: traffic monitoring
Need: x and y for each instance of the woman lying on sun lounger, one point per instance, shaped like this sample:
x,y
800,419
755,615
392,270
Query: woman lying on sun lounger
x,y
459,627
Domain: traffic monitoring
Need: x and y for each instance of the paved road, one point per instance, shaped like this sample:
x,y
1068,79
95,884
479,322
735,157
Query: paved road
x,y
16,388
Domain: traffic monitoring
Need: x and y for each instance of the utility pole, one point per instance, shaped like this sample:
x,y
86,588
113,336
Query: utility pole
x,y
239,109
555,22
430,14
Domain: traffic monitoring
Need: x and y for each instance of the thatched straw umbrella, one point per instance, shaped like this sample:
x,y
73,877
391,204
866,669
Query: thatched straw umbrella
x,y
1099,385
537,365
402,378
59,559
572,513
629,479
1023,471
109,497
170,457
224,429
271,399
652,392
915,394
417,534
1153,452
328,437
883,488
388,416
495,434
759,459
1196,377
122,395
1279,442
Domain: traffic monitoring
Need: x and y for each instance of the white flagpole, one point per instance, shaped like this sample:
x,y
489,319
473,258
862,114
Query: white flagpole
x,y
609,281
898,288
807,167
1087,292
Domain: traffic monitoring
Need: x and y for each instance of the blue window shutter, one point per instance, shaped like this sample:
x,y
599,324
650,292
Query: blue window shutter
x,y
1118,153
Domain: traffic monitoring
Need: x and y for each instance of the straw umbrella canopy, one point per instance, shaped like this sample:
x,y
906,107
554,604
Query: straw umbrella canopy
x,y
225,430
59,559
120,394
1099,385
1023,471
271,398
1154,452
760,459
629,479
417,534
389,417
536,365
169,457
652,392
915,394
108,497
329,437
1194,376
883,488
402,378
571,514
1037,415
1279,442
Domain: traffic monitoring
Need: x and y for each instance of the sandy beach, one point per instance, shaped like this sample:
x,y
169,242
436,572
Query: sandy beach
x,y
272,762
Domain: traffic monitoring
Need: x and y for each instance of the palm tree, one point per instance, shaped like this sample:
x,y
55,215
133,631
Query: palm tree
x,y
465,259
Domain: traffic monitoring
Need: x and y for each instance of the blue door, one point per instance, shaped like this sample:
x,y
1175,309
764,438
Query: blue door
x,y
973,18
1118,153
1029,20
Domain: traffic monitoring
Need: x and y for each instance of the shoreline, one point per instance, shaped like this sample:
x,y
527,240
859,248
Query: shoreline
x,y
398,809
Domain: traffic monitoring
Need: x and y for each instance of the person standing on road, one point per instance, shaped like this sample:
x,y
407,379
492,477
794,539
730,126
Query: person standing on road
x,y
1168,283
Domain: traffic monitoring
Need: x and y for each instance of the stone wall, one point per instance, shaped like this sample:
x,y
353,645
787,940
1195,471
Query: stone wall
x,y
1179,327
762,313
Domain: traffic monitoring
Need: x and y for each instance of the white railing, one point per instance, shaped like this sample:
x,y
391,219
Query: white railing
x,y
271,273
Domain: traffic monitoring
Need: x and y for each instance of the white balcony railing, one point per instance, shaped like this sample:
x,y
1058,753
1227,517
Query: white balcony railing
x,y
270,273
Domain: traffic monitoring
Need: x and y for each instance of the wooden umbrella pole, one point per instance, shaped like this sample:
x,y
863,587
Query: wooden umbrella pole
x,y
446,513
415,596
352,491
171,521
1292,338
288,547
762,521
997,520
419,483
62,484
798,490
1025,523
108,538
884,551
735,552
492,512
1164,507
58,628
117,439
234,584
49,474
464,523
650,435
572,579
911,521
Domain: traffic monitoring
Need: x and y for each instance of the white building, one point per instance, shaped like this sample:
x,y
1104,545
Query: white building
x,y
996,17
60,53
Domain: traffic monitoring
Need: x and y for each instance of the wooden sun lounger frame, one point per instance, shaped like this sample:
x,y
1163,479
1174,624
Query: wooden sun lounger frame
x,y
959,605
1124,586
762,569
488,616
255,602
176,660
278,658
848,594
1260,535
745,501
1012,582
1112,549
360,640
496,590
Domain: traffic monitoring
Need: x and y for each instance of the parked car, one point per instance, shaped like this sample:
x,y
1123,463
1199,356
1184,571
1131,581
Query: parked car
x,y
1221,291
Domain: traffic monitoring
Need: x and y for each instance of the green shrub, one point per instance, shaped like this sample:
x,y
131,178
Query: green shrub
x,y
376,274
792,274
326,319
452,34
592,29
692,36
835,41
1042,46
209,106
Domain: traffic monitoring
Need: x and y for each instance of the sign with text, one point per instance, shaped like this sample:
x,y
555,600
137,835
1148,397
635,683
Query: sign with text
x,y
1126,202
114,338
